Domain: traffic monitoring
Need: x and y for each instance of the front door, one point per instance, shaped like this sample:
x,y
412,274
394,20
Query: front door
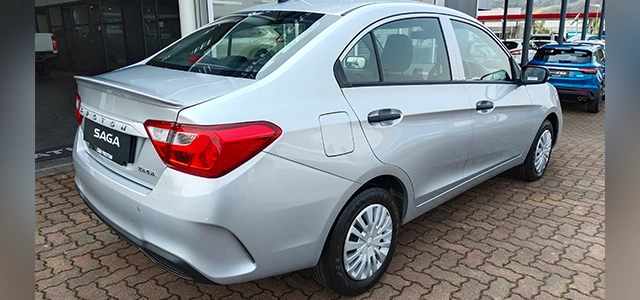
x,y
504,117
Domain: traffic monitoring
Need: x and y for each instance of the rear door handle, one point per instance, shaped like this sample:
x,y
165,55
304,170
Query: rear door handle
x,y
383,115
484,105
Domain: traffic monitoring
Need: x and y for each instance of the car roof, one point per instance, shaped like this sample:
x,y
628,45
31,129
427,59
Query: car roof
x,y
338,7
579,46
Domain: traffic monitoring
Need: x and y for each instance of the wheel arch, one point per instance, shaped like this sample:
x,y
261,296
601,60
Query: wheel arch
x,y
555,122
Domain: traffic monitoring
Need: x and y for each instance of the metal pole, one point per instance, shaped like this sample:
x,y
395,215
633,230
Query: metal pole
x,y
585,19
504,20
527,34
563,19
601,21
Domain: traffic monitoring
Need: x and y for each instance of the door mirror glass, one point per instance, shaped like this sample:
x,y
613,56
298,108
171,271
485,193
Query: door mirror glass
x,y
534,75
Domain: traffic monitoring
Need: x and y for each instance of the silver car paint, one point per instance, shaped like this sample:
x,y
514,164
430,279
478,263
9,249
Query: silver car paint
x,y
280,205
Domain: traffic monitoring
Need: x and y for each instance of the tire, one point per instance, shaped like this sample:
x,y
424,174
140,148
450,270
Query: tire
x,y
331,270
535,164
595,105
44,69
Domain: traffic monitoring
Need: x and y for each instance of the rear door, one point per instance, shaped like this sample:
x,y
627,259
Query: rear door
x,y
504,119
397,77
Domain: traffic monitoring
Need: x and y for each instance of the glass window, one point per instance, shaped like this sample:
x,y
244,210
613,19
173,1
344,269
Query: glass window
x,y
564,55
80,14
482,56
55,16
116,49
361,65
412,50
41,20
237,46
112,11
94,11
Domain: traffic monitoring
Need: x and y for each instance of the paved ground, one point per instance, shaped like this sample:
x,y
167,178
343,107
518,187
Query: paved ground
x,y
503,239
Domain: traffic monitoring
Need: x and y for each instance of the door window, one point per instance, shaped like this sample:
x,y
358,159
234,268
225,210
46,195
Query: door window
x,y
482,57
409,50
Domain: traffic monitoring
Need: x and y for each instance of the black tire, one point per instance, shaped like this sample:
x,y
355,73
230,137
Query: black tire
x,y
330,270
527,170
44,69
594,105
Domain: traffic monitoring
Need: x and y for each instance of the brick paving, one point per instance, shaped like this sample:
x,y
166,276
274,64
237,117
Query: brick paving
x,y
504,239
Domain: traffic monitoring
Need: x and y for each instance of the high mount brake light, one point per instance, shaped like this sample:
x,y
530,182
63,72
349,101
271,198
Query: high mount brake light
x,y
209,150
78,114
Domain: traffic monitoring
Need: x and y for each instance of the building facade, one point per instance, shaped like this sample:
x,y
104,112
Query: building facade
x,y
96,36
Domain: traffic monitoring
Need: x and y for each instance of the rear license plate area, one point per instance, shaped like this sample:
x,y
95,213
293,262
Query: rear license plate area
x,y
111,144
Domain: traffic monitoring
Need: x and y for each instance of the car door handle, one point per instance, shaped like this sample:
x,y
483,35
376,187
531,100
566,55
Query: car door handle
x,y
383,115
484,105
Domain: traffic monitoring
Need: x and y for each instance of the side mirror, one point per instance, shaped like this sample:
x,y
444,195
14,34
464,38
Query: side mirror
x,y
534,75
355,62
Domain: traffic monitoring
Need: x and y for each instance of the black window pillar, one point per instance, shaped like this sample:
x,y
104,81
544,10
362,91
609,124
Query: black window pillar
x,y
527,33
563,19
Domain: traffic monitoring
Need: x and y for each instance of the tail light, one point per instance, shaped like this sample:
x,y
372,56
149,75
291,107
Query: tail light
x,y
209,150
78,114
516,52
54,42
589,70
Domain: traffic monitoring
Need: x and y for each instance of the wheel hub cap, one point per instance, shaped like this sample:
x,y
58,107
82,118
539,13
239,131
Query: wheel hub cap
x,y
367,243
543,150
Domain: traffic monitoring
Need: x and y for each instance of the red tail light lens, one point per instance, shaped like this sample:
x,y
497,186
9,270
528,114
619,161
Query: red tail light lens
x,y
78,114
516,52
54,42
589,70
212,150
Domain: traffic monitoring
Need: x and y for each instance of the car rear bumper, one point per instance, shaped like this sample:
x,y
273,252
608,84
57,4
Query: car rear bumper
x,y
268,217
579,95
43,57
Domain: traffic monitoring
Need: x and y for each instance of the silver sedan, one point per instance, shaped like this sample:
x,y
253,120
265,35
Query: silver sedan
x,y
297,135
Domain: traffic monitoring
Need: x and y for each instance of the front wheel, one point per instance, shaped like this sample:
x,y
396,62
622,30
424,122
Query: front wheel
x,y
539,154
361,243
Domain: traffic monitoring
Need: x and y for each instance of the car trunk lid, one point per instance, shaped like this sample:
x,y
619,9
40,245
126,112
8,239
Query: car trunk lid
x,y
115,106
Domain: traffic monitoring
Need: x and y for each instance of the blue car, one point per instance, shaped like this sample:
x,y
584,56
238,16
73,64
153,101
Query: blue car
x,y
576,70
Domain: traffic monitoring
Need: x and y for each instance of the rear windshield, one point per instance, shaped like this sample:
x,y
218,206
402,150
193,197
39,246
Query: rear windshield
x,y
239,45
511,45
563,56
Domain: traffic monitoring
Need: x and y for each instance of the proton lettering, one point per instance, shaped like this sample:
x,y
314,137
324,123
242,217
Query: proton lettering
x,y
107,137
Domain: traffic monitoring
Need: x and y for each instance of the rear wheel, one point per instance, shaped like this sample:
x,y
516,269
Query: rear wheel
x,y
360,245
44,69
594,105
539,154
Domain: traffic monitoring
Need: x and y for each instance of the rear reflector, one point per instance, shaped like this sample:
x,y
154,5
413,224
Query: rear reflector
x,y
209,150
589,70
78,114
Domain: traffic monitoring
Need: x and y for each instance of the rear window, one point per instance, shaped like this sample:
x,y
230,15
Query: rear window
x,y
238,46
563,56
511,45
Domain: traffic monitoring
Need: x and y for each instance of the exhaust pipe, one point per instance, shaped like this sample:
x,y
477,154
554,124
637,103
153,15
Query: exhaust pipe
x,y
582,99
